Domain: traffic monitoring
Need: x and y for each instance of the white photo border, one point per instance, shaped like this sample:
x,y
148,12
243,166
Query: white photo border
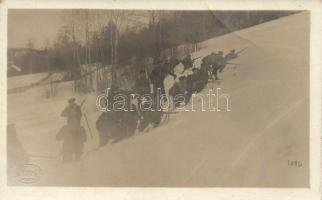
x,y
311,193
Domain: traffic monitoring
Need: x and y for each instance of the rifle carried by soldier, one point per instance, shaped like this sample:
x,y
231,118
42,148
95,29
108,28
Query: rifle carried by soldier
x,y
230,63
192,60
196,58
240,51
82,103
85,117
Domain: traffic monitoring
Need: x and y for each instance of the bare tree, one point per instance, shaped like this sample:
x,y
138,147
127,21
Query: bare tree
x,y
118,19
46,44
31,46
31,43
86,26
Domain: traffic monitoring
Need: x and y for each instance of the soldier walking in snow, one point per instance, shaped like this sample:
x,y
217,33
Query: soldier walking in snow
x,y
72,112
173,61
142,85
72,134
203,75
217,61
205,65
158,74
193,81
187,62
231,55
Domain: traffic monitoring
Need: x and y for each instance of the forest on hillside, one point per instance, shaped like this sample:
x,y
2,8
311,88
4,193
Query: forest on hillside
x,y
117,37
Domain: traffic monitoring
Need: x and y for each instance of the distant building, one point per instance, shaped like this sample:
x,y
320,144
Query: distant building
x,y
26,61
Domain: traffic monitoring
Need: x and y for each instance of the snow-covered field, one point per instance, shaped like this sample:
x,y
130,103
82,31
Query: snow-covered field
x,y
24,80
250,146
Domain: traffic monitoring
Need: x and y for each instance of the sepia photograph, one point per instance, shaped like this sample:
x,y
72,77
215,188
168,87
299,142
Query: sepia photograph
x,y
158,98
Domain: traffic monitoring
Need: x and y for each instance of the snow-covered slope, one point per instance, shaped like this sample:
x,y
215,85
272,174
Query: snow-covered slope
x,y
250,146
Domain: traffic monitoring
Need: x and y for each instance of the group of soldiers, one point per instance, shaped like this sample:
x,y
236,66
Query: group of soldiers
x,y
117,125
187,85
209,68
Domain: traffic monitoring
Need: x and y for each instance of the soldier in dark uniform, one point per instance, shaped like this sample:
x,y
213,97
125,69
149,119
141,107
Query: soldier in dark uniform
x,y
72,112
217,61
150,116
187,62
206,59
173,61
231,55
203,74
73,134
192,83
142,85
109,126
116,125
206,63
74,139
158,74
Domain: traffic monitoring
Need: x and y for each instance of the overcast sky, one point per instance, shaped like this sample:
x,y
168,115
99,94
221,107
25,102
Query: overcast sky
x,y
41,25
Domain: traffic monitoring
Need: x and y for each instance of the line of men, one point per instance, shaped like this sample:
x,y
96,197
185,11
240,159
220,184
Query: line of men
x,y
113,126
111,123
212,64
116,125
195,82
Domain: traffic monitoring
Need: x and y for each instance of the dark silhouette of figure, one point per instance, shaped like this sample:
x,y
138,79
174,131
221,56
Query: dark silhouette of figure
x,y
72,134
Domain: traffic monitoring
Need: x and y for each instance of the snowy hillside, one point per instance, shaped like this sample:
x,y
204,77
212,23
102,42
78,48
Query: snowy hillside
x,y
268,124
